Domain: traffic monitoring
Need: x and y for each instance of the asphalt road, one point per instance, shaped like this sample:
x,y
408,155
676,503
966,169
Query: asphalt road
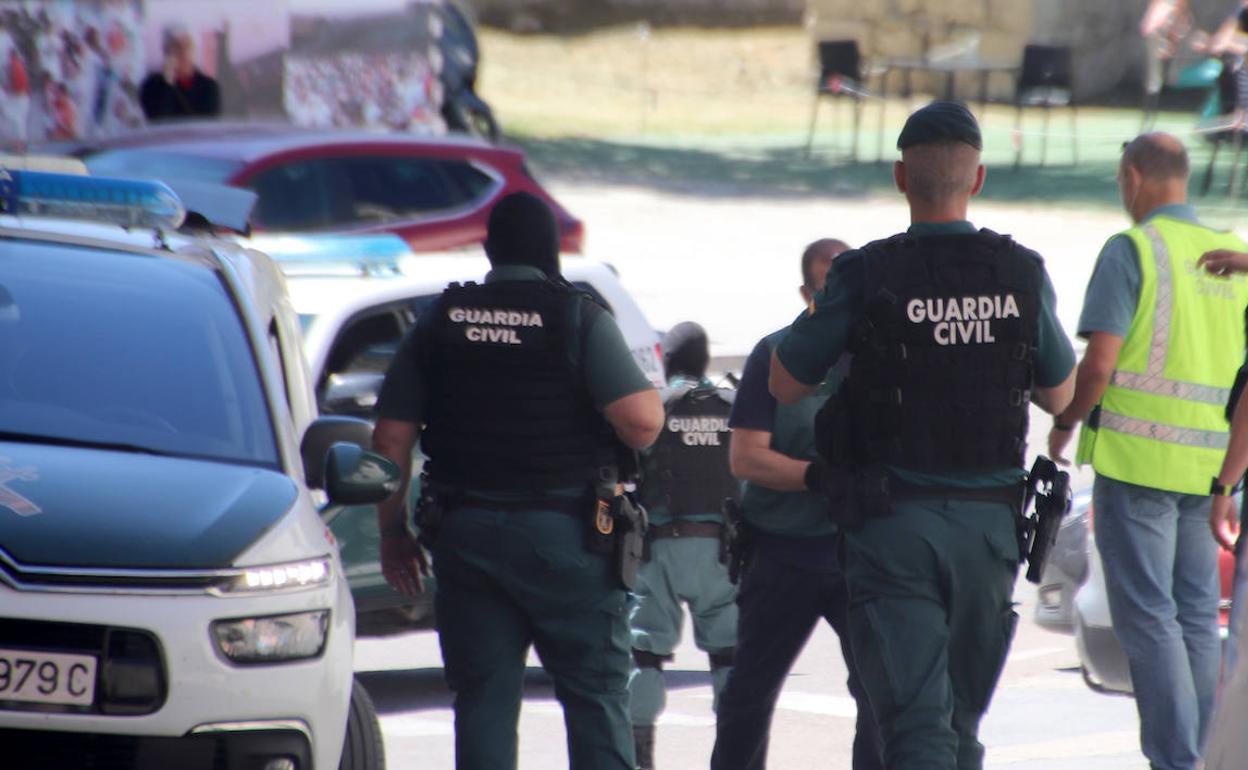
x,y
731,263
1042,718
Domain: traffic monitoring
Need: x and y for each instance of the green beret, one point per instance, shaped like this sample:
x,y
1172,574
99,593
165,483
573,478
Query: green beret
x,y
940,122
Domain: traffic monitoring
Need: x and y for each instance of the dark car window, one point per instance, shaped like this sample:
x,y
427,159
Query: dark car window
x,y
302,195
162,164
390,188
474,182
127,349
358,361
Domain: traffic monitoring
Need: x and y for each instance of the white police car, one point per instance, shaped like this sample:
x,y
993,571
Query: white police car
x,y
356,296
169,596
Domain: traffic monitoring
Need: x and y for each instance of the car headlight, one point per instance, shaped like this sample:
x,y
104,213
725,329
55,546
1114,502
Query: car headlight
x,y
299,574
273,639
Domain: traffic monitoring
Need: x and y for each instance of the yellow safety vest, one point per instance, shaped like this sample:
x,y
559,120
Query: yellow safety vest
x,y
1161,421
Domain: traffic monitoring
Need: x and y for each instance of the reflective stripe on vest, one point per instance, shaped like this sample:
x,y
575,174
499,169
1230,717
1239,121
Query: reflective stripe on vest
x,y
1171,434
1161,422
1153,380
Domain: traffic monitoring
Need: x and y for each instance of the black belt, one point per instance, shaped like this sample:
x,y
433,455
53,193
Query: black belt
x,y
1009,494
573,506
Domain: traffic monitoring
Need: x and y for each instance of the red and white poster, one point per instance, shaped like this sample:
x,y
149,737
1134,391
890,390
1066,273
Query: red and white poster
x,y
72,69
69,69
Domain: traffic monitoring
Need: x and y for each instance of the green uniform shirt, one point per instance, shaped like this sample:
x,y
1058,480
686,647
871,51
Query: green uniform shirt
x,y
816,341
651,494
799,514
609,368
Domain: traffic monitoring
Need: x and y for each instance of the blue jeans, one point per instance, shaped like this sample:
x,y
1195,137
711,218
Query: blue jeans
x,y
1161,578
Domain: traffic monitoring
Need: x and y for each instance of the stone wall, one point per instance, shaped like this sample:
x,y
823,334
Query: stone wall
x,y
1103,33
576,15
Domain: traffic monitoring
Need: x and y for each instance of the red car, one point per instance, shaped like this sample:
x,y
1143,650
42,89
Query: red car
x,y
434,191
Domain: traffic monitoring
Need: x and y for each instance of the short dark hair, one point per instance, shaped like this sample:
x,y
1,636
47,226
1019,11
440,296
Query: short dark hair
x,y
686,350
1157,156
816,250
522,230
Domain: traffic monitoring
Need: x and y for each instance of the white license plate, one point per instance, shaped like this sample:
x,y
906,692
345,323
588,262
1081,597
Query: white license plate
x,y
47,677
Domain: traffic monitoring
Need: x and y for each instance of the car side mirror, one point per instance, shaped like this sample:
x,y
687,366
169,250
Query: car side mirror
x,y
355,476
322,434
351,393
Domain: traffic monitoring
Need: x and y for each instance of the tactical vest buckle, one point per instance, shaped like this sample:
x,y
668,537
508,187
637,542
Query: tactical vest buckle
x,y
1021,351
1018,396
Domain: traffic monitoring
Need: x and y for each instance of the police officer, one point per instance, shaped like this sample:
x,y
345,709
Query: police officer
x,y
792,577
952,330
518,390
685,482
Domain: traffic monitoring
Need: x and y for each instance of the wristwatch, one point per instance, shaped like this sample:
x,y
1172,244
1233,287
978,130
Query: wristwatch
x,y
1217,488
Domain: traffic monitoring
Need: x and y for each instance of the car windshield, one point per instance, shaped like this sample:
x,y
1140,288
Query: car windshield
x,y
163,163
127,350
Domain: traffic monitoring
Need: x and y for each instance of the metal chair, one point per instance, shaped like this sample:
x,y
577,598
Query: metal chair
x,y
1046,79
1224,112
840,74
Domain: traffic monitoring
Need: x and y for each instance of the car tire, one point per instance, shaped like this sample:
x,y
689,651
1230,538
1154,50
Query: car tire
x,y
363,748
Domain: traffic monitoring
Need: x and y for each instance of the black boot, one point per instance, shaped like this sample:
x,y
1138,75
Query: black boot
x,y
643,739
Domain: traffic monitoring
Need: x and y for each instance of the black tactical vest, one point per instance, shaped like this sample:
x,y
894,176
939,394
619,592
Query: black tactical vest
x,y
691,453
943,357
508,408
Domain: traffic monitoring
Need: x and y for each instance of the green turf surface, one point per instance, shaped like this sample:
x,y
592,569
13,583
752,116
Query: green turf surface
x,y
776,164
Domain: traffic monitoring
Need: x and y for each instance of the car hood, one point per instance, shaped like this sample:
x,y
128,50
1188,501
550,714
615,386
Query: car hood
x,y
75,507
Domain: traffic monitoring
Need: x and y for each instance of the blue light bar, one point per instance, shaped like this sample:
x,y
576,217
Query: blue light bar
x,y
375,254
127,202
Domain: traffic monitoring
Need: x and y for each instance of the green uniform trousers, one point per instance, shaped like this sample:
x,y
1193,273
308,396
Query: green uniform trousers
x,y
930,620
681,570
511,579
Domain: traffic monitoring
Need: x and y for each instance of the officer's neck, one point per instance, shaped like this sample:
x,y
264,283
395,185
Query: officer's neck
x,y
1151,197
929,213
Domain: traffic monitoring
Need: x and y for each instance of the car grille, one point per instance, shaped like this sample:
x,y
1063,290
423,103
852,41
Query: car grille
x,y
130,678
246,750
49,750
108,580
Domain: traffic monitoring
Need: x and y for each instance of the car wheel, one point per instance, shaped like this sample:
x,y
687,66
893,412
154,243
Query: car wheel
x,y
363,748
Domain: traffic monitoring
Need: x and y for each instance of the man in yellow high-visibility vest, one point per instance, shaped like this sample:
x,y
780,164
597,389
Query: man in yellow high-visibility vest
x,y
1164,342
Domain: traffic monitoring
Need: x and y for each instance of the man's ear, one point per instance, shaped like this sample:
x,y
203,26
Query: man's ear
x,y
1130,175
899,176
980,174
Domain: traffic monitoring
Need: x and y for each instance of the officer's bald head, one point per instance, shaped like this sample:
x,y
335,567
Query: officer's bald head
x,y
1153,173
522,231
1157,156
817,258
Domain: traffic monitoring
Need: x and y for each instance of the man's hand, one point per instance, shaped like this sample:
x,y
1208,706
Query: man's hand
x,y
1058,440
1224,521
403,563
1223,262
